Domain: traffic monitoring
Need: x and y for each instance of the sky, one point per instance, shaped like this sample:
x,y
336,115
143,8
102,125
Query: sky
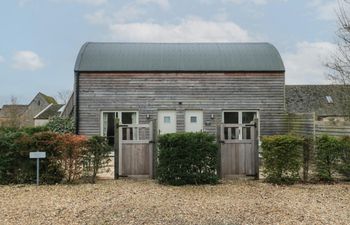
x,y
40,39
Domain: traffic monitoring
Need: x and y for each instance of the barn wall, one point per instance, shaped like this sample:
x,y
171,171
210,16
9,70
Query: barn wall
x,y
210,92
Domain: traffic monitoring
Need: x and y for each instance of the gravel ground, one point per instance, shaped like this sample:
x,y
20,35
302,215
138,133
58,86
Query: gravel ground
x,y
146,202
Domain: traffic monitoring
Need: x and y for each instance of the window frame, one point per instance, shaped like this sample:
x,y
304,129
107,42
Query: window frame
x,y
120,119
240,119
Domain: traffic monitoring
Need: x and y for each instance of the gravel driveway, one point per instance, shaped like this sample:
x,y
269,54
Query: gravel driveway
x,y
146,202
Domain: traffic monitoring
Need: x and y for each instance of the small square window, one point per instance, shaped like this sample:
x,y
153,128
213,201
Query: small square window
x,y
329,99
166,119
193,119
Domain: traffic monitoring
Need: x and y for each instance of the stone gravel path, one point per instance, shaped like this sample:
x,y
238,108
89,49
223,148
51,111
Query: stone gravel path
x,y
146,202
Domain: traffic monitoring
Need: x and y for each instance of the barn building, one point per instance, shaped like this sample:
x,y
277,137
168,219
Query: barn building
x,y
187,87
180,87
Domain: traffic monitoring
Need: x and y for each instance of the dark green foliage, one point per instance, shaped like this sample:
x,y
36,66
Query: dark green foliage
x,y
97,156
33,130
187,158
61,125
15,165
8,156
308,156
282,155
344,156
327,154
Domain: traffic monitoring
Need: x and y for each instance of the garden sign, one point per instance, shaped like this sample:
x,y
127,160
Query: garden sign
x,y
37,156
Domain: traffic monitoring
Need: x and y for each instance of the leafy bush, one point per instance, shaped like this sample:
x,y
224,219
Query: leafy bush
x,y
344,156
61,125
327,154
52,168
8,157
187,158
73,149
15,165
282,155
97,156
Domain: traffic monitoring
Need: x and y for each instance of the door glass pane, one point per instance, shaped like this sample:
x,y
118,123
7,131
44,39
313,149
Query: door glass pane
x,y
248,117
231,117
193,119
128,117
110,127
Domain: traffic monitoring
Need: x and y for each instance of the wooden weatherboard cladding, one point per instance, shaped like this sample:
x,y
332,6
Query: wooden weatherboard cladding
x,y
212,93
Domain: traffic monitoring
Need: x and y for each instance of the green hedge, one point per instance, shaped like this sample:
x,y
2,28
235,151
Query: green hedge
x,y
327,157
282,155
15,164
344,155
61,125
187,158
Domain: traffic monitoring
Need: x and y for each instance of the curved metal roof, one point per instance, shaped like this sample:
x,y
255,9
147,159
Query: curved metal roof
x,y
178,57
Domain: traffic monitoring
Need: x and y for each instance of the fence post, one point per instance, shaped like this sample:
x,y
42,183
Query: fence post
x,y
256,148
155,148
116,148
218,140
150,148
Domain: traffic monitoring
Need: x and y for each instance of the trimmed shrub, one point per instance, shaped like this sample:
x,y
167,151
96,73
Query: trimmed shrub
x,y
282,155
327,154
97,156
15,165
73,149
308,156
187,158
61,125
344,156
8,156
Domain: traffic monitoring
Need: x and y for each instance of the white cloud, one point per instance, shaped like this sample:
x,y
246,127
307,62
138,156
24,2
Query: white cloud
x,y
87,2
188,30
256,2
22,3
27,60
2,59
161,3
306,64
325,9
98,17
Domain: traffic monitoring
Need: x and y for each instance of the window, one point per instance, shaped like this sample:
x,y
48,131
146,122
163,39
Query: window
x,y
239,117
167,119
108,120
329,99
193,119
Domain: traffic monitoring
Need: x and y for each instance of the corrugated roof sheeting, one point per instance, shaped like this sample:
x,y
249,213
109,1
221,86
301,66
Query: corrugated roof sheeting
x,y
178,57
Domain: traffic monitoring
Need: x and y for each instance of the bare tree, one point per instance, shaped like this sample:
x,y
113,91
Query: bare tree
x,y
340,62
13,114
63,96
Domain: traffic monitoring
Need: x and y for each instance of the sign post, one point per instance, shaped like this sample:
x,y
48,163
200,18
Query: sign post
x,y
37,156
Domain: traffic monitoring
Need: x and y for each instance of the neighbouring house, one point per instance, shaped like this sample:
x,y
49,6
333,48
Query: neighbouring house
x,y
39,102
43,117
68,108
10,115
315,110
23,115
327,102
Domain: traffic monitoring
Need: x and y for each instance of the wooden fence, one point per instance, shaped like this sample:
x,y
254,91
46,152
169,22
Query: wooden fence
x,y
305,124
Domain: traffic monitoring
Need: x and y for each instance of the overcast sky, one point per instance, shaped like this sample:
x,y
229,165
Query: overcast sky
x,y
40,39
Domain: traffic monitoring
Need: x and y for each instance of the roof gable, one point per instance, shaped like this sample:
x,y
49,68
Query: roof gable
x,y
178,57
